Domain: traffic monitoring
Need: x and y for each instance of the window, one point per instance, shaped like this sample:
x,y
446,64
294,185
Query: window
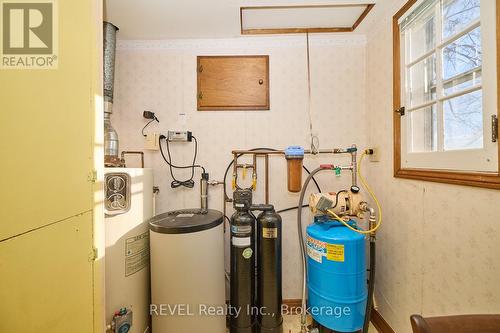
x,y
445,91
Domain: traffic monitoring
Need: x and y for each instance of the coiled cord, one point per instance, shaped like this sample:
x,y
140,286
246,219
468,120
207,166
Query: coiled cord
x,y
189,183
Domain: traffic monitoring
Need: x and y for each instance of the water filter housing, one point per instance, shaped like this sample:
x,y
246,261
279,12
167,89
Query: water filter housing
x,y
336,266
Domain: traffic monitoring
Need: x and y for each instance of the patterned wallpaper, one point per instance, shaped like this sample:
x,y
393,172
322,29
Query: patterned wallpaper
x,y
161,76
438,249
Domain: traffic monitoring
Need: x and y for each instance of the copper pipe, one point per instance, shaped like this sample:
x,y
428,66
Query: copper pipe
x,y
254,171
129,152
266,161
281,152
235,171
258,152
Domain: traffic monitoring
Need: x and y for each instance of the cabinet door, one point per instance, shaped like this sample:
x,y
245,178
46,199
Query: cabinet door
x,y
47,279
233,83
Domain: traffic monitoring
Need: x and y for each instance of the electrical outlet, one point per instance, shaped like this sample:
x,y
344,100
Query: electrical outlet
x,y
375,157
152,141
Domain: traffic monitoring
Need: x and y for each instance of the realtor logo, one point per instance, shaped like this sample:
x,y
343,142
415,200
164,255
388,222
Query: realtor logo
x,y
29,35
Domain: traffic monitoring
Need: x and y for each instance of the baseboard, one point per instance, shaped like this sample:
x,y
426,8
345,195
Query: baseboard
x,y
380,324
377,320
293,305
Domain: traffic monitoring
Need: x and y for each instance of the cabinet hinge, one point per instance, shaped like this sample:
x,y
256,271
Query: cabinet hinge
x,y
494,128
92,177
93,255
401,111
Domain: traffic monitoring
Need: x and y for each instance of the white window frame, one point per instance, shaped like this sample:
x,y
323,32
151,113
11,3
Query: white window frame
x,y
475,160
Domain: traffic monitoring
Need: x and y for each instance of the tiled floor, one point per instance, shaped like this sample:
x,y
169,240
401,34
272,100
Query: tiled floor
x,y
291,324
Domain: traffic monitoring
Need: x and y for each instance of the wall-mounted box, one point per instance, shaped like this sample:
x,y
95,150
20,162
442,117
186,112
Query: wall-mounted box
x,y
233,83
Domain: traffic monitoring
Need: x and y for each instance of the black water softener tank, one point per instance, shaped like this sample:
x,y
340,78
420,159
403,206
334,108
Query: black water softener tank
x,y
269,279
242,288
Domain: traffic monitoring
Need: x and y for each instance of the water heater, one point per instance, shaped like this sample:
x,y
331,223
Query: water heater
x,y
128,204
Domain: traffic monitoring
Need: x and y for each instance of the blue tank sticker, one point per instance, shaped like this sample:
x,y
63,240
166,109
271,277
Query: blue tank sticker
x,y
316,249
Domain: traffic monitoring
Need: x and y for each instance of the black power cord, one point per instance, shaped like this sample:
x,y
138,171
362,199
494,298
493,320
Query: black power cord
x,y
149,115
189,183
290,208
149,122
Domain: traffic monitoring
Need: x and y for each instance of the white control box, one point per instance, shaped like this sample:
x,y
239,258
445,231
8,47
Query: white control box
x,y
179,136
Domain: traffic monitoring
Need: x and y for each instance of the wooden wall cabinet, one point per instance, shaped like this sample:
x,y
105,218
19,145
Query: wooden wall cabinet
x,y
233,83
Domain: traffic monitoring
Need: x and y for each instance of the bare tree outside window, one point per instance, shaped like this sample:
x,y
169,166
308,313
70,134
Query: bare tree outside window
x,y
448,76
462,60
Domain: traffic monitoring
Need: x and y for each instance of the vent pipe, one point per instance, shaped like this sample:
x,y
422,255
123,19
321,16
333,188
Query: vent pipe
x,y
111,148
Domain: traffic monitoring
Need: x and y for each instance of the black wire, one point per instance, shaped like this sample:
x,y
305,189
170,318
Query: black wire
x,y
149,122
337,198
291,208
313,179
189,183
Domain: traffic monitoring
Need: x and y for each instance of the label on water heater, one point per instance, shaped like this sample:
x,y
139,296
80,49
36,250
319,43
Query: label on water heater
x,y
136,253
270,232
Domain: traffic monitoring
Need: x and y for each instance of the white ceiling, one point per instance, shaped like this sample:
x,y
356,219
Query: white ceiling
x,y
166,19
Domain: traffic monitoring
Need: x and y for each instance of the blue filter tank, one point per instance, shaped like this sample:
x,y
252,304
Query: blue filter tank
x,y
336,282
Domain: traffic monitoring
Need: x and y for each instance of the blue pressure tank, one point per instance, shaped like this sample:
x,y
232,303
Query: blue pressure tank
x,y
336,266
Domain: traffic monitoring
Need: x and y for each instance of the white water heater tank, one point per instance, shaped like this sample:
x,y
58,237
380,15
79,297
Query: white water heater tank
x,y
128,205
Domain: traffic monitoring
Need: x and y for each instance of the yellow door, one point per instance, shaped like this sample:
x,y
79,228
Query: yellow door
x,y
47,279
50,169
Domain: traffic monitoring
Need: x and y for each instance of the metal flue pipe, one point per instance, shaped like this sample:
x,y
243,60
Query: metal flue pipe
x,y
111,146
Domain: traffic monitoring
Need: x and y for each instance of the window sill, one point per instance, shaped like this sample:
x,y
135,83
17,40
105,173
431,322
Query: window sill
x,y
476,179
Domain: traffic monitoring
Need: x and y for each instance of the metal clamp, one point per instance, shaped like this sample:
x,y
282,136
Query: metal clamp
x,y
494,128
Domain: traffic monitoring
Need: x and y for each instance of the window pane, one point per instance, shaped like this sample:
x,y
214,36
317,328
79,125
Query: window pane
x,y
422,81
424,130
463,122
421,34
458,14
462,61
461,82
